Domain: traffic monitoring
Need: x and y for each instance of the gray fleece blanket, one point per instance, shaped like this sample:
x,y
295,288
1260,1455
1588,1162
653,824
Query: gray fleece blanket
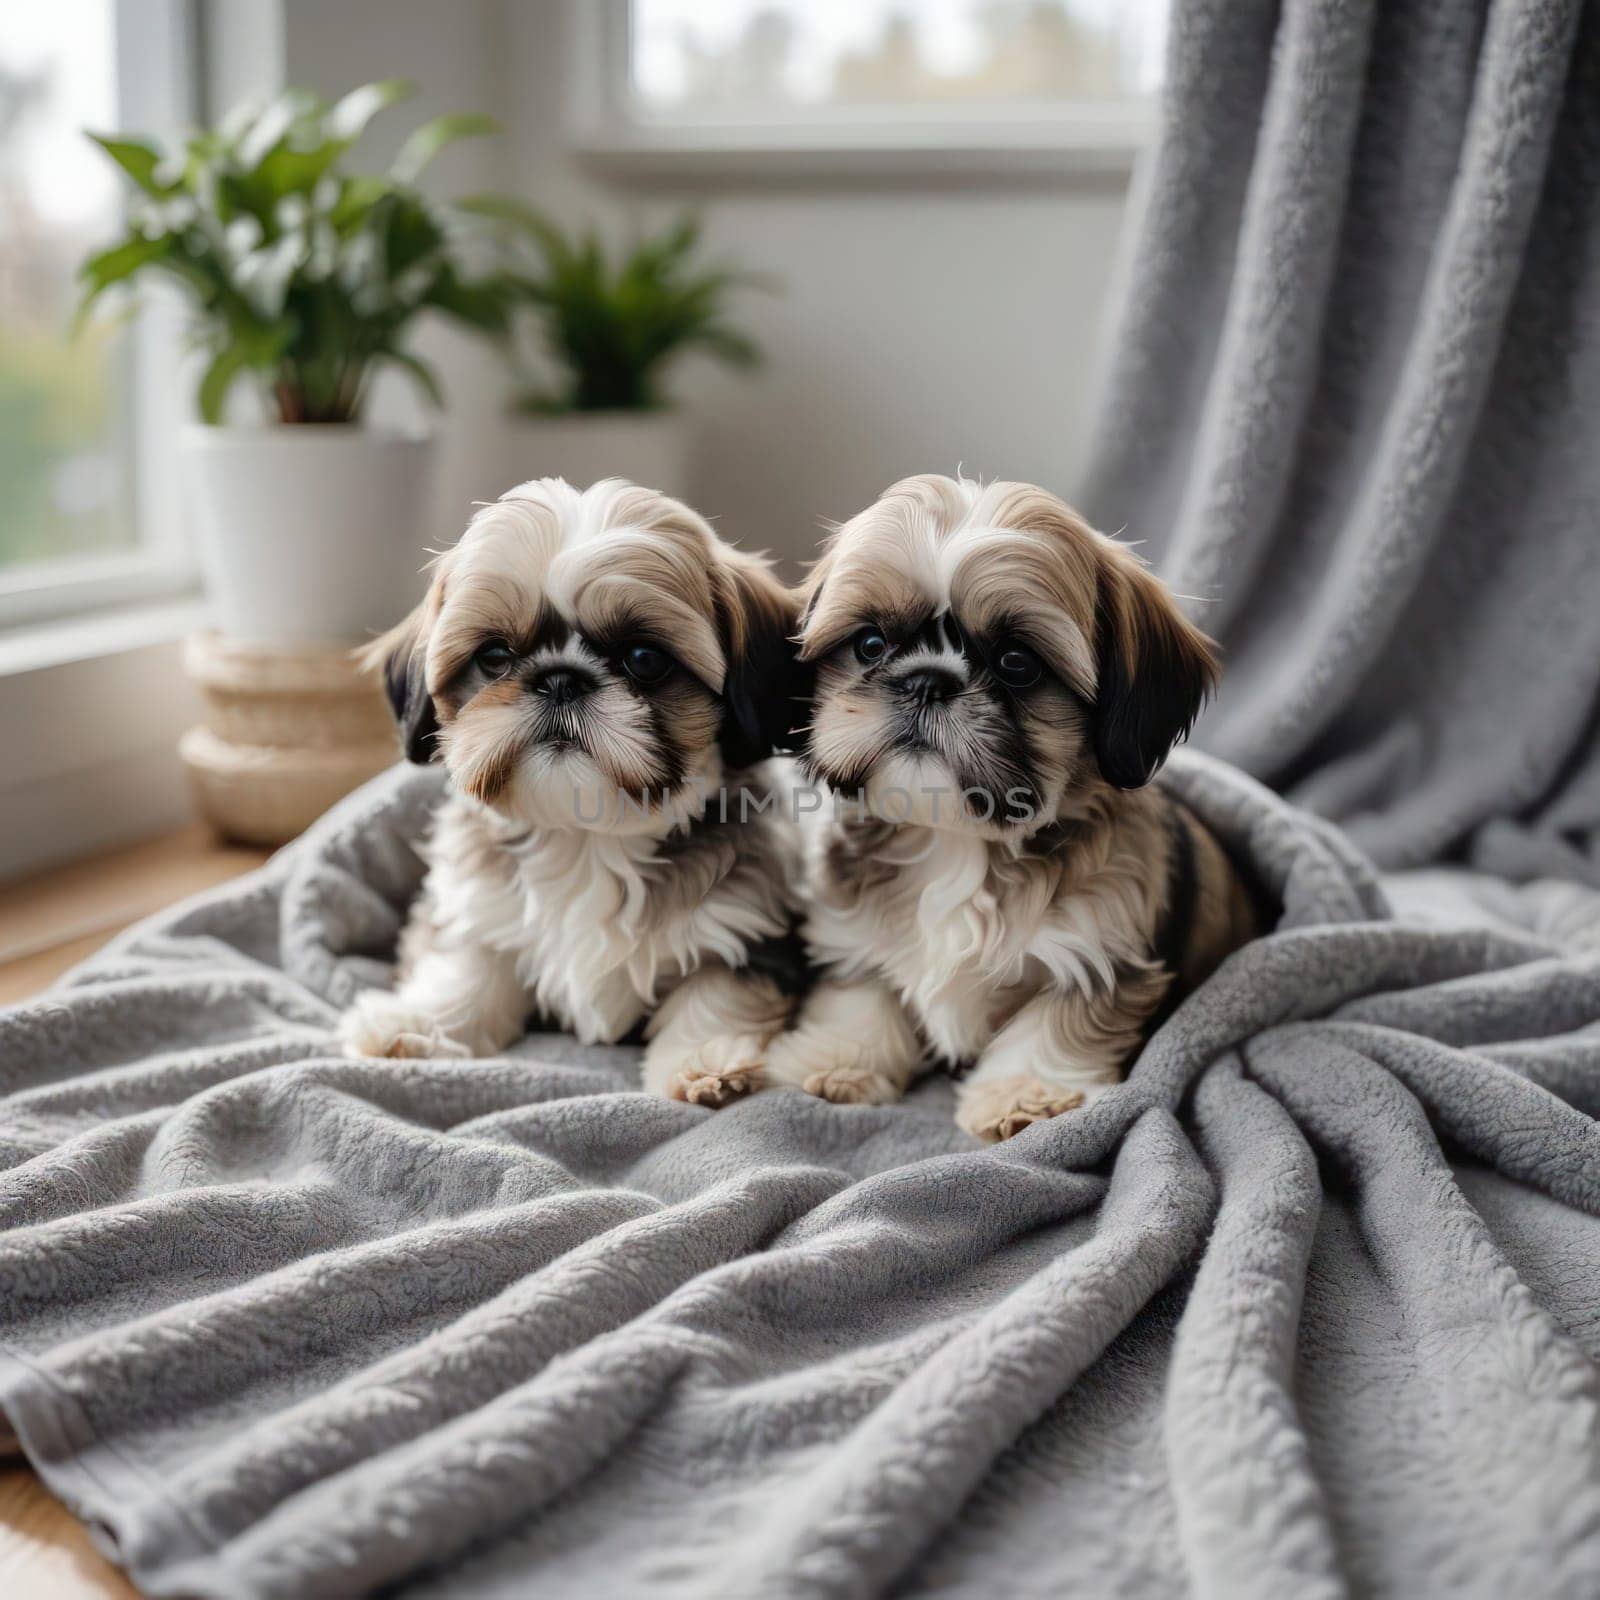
x,y
1310,1306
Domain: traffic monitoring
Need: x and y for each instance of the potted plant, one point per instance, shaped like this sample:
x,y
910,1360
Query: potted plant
x,y
608,327
303,282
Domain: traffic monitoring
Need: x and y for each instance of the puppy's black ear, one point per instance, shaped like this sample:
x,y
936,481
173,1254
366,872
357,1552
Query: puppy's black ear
x,y
767,694
1156,670
400,656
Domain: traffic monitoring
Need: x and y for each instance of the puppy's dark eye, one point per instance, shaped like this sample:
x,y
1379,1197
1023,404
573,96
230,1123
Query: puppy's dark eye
x,y
646,664
1018,667
871,646
494,656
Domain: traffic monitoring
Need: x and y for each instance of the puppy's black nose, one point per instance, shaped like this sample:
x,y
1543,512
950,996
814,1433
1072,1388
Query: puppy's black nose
x,y
561,687
929,685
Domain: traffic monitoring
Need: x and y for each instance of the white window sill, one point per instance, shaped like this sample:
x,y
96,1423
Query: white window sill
x,y
691,166
57,591
44,645
1105,148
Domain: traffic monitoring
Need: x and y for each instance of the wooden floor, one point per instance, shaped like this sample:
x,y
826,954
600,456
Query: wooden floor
x,y
47,924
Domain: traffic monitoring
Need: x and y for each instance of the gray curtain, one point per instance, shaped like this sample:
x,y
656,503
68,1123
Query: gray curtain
x,y
1354,410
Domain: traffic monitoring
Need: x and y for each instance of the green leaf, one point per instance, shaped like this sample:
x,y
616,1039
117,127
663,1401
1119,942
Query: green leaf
x,y
349,118
432,137
536,403
421,373
484,304
263,135
410,235
284,171
357,197
218,379
118,264
138,160
505,208
737,349
518,214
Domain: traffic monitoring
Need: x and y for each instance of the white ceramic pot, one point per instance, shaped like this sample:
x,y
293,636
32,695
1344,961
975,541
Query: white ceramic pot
x,y
312,533
648,447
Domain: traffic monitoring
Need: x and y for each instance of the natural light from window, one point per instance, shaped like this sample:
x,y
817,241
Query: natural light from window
x,y
764,58
63,459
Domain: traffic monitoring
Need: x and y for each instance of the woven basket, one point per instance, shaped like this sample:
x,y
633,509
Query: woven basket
x,y
289,729
287,696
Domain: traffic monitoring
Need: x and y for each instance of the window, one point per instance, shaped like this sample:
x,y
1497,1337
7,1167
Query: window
x,y
756,56
87,509
1006,77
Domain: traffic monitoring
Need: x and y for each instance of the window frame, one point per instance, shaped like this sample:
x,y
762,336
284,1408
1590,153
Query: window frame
x,y
1079,139
157,87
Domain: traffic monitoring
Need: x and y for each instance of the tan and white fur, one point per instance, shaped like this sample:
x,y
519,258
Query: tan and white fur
x,y
993,883
602,677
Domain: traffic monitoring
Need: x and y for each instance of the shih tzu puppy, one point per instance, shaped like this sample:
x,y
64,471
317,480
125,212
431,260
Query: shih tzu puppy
x,y
992,881
600,675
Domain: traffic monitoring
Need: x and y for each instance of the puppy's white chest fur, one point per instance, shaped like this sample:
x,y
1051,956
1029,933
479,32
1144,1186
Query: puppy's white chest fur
x,y
966,932
598,925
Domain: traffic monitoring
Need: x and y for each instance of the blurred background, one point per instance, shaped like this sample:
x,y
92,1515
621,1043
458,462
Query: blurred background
x,y
936,189
927,194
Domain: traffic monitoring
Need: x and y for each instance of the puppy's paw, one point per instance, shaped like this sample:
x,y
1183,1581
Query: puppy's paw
x,y
710,1072
851,1086
1002,1107
381,1024
832,1070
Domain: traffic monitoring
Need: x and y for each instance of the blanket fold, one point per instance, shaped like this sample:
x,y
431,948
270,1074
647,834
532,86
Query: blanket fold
x,y
1307,1305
